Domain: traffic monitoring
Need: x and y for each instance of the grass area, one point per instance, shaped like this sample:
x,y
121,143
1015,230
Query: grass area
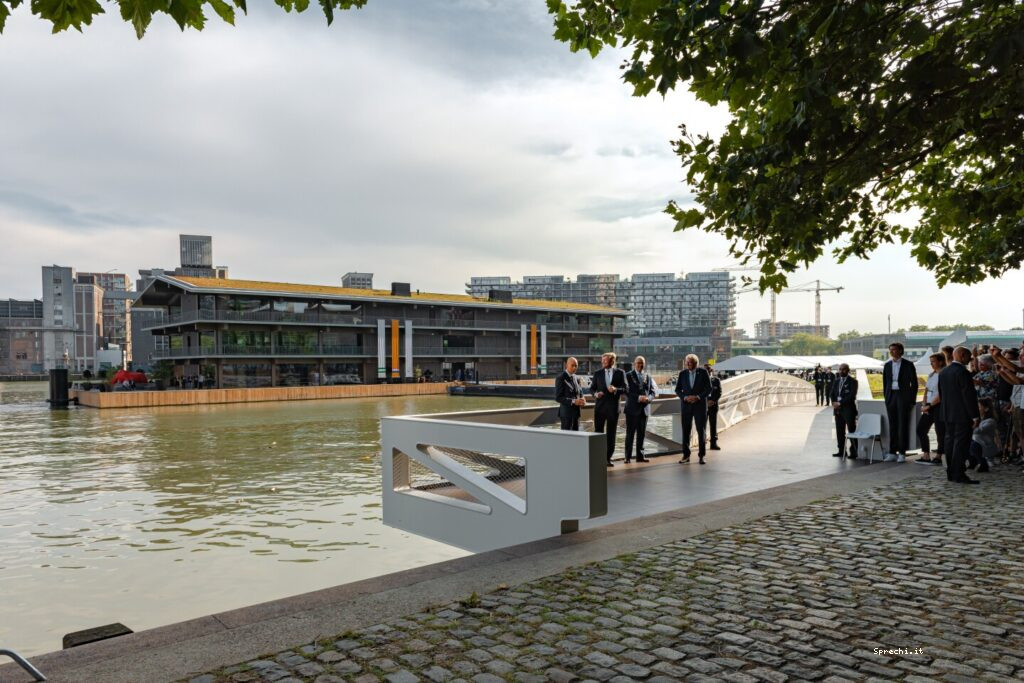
x,y
875,382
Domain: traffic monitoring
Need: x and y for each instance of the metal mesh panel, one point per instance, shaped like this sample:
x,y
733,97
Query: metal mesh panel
x,y
507,471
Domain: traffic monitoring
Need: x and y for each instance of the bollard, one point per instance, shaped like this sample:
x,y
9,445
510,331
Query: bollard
x,y
59,388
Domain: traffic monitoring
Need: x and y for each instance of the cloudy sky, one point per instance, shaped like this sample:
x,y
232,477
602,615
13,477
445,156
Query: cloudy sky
x,y
421,140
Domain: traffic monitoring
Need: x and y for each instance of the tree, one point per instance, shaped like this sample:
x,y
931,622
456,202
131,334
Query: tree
x,y
851,334
139,13
844,114
804,344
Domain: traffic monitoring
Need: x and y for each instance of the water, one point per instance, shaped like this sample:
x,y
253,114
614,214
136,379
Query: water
x,y
153,516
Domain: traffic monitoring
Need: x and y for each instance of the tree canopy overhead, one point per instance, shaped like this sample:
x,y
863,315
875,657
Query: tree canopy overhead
x,y
844,113
65,14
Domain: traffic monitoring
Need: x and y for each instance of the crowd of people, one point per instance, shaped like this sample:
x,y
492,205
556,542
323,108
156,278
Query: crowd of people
x,y
973,400
698,389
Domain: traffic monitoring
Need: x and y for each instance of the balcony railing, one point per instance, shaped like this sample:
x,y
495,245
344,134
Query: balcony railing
x,y
278,351
326,318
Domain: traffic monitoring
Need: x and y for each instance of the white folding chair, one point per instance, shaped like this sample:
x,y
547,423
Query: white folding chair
x,y
868,427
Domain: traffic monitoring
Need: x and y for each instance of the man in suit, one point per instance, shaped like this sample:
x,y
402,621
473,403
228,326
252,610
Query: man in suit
x,y
713,398
844,406
607,385
819,385
899,384
830,379
958,409
693,388
569,396
640,391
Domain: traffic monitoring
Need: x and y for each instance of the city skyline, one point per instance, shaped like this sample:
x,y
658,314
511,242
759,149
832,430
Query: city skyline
x,y
478,146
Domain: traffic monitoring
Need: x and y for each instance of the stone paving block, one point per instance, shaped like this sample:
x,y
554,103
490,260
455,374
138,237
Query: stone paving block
x,y
802,595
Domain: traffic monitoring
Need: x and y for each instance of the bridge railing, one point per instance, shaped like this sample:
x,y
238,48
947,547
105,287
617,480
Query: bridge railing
x,y
488,479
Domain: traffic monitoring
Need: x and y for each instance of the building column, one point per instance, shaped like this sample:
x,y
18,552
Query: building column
x,y
543,349
395,358
408,350
533,349
523,367
381,359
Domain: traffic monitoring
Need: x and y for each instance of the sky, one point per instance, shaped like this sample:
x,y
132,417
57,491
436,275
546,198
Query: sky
x,y
425,141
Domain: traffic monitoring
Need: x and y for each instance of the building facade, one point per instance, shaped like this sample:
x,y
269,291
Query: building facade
x,y
88,325
781,329
21,337
690,314
58,317
357,280
117,304
249,333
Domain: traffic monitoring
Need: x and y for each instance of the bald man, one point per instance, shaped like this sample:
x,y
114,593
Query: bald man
x,y
569,397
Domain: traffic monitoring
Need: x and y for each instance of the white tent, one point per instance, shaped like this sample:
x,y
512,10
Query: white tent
x,y
747,363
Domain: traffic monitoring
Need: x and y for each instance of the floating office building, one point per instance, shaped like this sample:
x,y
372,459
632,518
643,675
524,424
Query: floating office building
x,y
244,333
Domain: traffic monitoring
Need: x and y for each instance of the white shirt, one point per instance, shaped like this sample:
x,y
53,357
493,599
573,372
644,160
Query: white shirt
x,y
896,373
931,388
608,377
693,377
839,391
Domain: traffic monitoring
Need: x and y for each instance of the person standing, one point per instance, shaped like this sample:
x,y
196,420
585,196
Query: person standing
x,y
958,409
607,385
844,407
640,391
713,399
899,384
569,396
930,414
830,379
693,388
819,384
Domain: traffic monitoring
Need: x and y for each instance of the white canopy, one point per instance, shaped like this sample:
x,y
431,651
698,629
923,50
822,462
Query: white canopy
x,y
745,363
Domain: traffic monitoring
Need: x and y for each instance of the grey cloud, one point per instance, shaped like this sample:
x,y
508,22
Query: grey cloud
x,y
609,210
32,206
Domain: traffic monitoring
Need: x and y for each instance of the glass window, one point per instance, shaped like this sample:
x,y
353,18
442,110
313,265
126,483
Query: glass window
x,y
342,373
297,374
246,375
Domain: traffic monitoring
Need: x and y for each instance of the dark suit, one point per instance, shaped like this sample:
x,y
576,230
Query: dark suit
x,y
844,392
636,412
606,408
716,396
693,413
568,390
899,404
819,386
958,409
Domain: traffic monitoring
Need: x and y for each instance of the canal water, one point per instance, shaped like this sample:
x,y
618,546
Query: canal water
x,y
152,516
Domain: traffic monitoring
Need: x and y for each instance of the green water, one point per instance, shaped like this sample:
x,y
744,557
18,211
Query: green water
x,y
153,516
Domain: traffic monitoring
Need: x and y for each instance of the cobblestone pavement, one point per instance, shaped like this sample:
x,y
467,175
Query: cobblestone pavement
x,y
808,594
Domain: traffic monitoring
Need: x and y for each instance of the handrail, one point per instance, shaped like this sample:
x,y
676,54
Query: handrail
x,y
486,479
323,317
23,663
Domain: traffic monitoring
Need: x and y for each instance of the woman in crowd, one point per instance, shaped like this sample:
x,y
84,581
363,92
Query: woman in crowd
x,y
930,413
983,440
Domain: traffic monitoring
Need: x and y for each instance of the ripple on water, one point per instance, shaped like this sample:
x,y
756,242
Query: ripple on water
x,y
168,514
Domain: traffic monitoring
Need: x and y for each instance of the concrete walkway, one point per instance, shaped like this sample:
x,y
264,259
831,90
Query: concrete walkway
x,y
918,580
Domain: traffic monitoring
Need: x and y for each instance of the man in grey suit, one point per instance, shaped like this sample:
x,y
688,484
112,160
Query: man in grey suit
x,y
958,408
569,397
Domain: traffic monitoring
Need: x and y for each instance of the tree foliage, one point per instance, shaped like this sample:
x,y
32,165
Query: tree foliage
x,y
804,344
65,14
955,326
844,114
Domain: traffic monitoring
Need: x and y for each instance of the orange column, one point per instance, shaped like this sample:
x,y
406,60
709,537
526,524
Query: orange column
x,y
533,349
395,367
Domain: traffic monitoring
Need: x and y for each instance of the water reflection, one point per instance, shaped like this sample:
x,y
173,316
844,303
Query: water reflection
x,y
151,516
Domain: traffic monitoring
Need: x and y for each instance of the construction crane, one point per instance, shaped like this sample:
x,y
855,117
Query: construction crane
x,y
750,288
816,287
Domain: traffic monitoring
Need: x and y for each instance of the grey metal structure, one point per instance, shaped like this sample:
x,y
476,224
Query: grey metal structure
x,y
23,663
489,479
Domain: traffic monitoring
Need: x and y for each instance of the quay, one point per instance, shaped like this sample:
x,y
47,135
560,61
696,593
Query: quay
x,y
807,574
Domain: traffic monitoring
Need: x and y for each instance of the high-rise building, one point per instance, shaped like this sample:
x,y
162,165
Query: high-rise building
x,y
197,257
21,337
117,304
357,280
58,317
196,251
783,329
88,324
657,302
673,315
